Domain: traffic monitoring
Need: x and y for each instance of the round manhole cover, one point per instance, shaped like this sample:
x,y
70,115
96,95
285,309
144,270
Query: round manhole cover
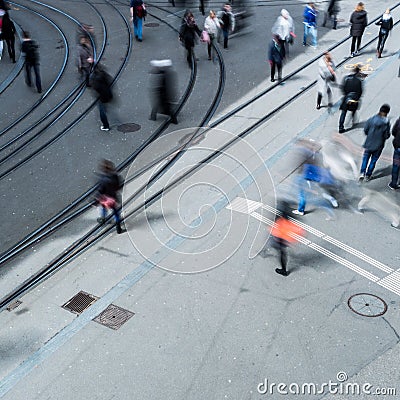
x,y
367,305
128,128
152,24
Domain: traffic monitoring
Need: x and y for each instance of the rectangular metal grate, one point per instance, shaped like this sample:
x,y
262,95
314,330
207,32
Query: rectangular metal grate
x,y
14,305
80,302
114,317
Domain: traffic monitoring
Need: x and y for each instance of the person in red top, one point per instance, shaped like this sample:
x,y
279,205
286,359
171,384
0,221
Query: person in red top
x,y
284,232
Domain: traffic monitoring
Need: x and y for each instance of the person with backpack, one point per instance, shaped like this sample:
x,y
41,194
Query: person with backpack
x,y
276,55
227,22
109,185
352,88
138,13
30,50
101,82
386,25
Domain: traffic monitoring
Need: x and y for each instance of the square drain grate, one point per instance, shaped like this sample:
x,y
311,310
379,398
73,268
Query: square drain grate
x,y
114,317
80,302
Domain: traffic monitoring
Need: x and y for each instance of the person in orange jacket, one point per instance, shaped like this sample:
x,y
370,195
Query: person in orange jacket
x,y
284,232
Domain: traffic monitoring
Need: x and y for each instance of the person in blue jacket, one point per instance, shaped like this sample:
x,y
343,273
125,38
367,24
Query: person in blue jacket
x,y
310,24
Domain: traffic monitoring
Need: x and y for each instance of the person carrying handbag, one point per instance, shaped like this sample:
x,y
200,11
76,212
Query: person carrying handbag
x,y
211,26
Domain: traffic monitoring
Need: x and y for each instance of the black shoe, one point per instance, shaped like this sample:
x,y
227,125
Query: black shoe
x,y
119,229
393,187
272,80
174,121
368,178
281,271
153,118
140,40
342,130
318,106
100,220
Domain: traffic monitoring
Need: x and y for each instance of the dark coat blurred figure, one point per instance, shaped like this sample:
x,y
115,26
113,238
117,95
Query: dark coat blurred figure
x,y
187,34
284,29
30,50
276,55
138,13
377,130
8,35
284,233
359,22
2,13
352,89
109,185
101,82
227,22
386,25
332,13
85,58
396,156
162,89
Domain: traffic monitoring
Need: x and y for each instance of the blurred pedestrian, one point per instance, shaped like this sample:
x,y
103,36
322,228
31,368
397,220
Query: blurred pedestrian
x,y
86,31
211,26
284,29
377,130
276,55
2,13
201,7
326,76
227,22
85,58
109,185
8,35
386,25
310,24
394,183
352,89
101,82
30,51
187,35
358,22
138,14
284,232
162,89
332,13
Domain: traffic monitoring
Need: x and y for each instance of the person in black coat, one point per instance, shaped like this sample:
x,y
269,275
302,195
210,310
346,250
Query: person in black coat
x,y
332,12
352,89
396,156
386,24
8,34
187,35
276,55
101,82
30,49
359,22
108,188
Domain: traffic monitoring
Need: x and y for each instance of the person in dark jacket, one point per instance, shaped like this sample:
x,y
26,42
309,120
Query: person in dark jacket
x,y
109,185
377,129
101,82
332,13
359,22
138,13
30,50
187,35
8,35
394,183
162,89
85,58
352,88
386,24
276,55
227,22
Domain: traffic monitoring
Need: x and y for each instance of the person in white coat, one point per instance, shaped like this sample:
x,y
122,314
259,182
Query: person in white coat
x,y
211,26
284,29
326,76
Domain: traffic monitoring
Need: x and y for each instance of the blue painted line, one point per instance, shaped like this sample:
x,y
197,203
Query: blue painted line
x,y
131,279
